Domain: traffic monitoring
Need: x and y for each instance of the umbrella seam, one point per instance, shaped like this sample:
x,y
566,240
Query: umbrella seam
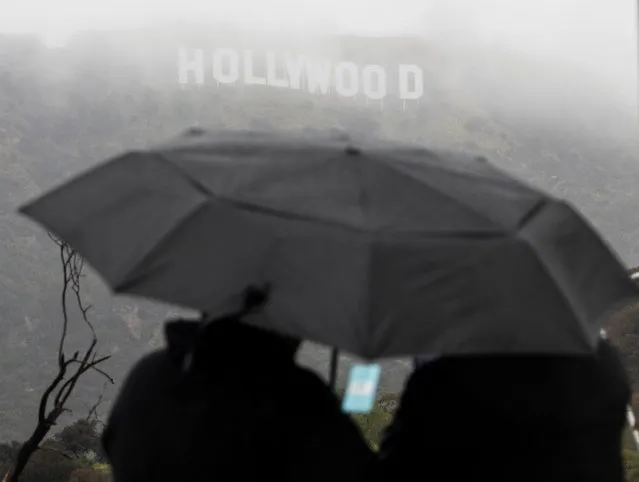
x,y
504,175
396,168
194,183
441,192
287,215
401,148
364,201
127,284
530,216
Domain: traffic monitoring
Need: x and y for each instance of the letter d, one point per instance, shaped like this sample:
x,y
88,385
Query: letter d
x,y
405,73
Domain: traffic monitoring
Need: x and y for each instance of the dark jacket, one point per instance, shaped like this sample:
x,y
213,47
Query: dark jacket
x,y
505,419
243,412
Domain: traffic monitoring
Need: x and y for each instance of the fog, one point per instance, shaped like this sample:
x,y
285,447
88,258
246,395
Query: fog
x,y
597,36
509,68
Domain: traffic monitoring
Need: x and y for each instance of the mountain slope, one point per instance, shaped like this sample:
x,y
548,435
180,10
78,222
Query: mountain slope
x,y
62,111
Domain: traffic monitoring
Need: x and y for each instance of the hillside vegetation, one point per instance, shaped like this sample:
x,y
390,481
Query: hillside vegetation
x,y
75,455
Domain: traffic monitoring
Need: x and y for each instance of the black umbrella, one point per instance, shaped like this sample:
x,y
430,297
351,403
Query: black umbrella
x,y
378,249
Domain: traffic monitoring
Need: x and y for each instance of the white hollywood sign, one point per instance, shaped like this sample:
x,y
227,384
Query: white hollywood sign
x,y
301,73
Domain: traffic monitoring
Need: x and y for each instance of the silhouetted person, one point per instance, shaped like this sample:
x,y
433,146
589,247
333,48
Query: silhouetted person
x,y
228,403
511,418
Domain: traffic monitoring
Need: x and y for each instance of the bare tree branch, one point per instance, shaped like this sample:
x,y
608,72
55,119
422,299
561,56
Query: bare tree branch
x,y
93,416
93,366
70,370
60,452
65,261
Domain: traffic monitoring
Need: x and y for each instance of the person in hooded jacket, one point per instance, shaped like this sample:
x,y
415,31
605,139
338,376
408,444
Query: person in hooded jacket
x,y
227,402
511,418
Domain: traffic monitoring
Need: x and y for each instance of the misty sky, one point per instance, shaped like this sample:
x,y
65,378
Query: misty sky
x,y
599,33
544,19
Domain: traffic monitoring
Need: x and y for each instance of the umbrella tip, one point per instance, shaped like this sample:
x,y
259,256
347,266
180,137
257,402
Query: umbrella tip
x,y
352,151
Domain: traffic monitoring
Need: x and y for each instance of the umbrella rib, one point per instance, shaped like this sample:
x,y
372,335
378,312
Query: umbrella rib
x,y
242,204
198,186
293,216
129,283
204,190
441,192
503,176
528,218
364,204
530,215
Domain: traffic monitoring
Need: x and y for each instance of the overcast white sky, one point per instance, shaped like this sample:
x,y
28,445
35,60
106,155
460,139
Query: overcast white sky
x,y
57,18
601,33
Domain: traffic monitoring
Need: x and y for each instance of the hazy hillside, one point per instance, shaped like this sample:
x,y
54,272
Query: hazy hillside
x,y
63,110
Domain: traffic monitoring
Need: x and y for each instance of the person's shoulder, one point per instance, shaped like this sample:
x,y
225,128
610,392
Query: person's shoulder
x,y
152,360
611,362
154,364
139,384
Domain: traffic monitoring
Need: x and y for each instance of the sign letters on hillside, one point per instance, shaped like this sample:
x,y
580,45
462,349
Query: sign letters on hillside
x,y
299,72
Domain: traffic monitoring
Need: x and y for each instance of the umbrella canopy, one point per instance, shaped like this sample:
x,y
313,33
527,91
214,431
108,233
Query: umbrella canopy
x,y
378,249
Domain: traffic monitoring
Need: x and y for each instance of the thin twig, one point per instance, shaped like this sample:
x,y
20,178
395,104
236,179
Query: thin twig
x,y
93,416
60,452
